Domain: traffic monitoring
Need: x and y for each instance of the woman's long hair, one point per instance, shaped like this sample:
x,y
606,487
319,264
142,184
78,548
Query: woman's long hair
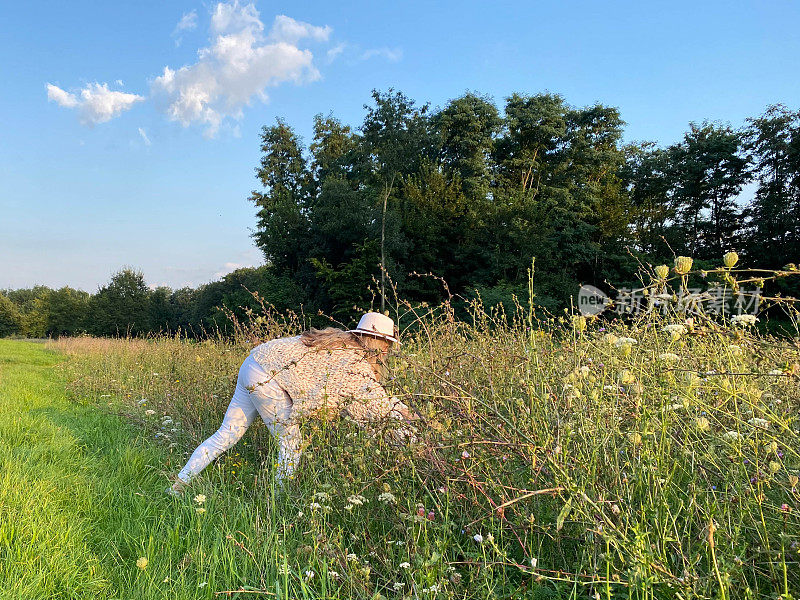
x,y
332,338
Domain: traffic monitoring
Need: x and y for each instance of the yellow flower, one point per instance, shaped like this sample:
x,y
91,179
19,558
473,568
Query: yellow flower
x,y
662,271
683,264
730,259
774,466
200,498
626,377
702,423
579,323
200,511
142,563
635,439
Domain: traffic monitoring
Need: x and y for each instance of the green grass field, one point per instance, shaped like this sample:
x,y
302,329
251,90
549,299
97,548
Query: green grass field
x,y
557,459
81,500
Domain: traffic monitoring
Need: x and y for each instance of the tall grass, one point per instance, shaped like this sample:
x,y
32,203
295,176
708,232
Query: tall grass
x,y
559,457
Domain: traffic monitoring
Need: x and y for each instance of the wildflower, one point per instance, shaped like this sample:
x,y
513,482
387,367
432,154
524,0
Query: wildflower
x,y
615,509
626,377
309,575
478,538
669,357
730,259
774,466
202,585
662,271
744,320
149,412
142,401
142,562
675,330
635,438
351,557
534,563
433,588
776,372
405,565
397,586
200,510
356,500
785,507
731,435
315,506
702,423
465,455
333,574
735,350
619,342
322,496
757,422
610,339
683,264
579,323
200,498
387,497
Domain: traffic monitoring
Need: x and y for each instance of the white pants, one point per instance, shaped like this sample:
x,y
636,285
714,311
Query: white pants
x,y
256,393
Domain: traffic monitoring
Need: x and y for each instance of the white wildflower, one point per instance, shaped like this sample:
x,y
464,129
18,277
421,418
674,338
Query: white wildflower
x,y
405,565
149,412
352,557
200,498
397,586
731,435
744,320
669,357
534,562
309,575
625,341
142,401
757,422
387,498
356,500
478,538
333,574
315,506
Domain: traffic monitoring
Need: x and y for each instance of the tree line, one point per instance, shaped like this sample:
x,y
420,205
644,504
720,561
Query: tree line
x,y
469,194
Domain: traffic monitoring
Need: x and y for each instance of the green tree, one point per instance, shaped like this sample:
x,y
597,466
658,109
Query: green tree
x,y
709,171
10,319
282,225
121,307
774,214
68,311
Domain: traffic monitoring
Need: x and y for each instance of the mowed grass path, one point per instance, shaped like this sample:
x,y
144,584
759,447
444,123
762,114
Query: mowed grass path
x,y
82,498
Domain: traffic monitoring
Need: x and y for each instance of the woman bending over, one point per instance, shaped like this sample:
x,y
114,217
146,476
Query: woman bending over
x,y
320,372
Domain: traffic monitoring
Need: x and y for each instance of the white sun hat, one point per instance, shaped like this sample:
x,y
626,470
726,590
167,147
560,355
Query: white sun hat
x,y
378,325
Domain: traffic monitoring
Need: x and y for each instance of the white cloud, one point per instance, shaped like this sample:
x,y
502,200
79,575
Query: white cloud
x,y
96,104
287,30
334,52
188,22
143,134
390,54
60,97
237,66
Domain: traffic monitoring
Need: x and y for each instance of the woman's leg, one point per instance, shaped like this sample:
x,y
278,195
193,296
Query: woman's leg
x,y
238,418
275,407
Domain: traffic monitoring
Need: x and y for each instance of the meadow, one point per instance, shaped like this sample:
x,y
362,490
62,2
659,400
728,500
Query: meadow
x,y
558,457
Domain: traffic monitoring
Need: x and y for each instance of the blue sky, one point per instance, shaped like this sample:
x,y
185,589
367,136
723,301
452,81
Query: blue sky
x,y
119,162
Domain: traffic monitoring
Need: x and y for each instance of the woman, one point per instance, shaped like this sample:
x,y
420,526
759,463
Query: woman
x,y
322,372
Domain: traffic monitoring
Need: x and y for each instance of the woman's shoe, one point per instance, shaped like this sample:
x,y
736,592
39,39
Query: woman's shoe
x,y
177,488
